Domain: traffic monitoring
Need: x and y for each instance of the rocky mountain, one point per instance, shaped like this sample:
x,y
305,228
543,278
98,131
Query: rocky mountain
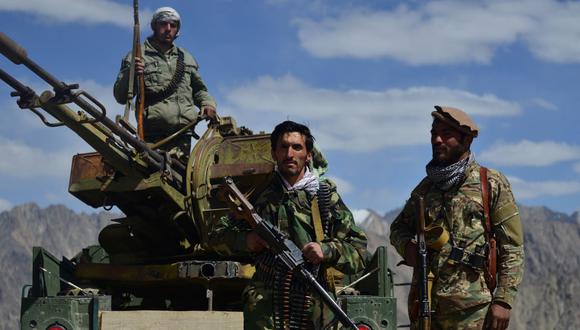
x,y
548,296
56,228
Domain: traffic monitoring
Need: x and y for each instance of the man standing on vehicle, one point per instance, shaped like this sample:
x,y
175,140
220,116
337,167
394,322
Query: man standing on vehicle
x,y
454,192
275,298
173,86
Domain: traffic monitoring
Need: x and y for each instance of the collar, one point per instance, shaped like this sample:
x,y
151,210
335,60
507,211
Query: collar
x,y
151,45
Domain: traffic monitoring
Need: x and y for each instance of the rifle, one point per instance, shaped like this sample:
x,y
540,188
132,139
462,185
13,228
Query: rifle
x,y
141,78
282,246
140,101
423,294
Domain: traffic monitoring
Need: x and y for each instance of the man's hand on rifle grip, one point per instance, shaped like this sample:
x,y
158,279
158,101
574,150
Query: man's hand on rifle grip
x,y
313,253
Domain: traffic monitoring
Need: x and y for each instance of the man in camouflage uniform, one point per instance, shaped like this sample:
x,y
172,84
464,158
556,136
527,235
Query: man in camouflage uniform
x,y
286,202
173,86
460,298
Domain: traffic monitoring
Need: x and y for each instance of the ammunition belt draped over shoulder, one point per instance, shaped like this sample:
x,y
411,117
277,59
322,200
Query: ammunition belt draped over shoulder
x,y
154,97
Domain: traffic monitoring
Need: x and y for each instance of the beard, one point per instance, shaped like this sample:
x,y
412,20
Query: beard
x,y
164,38
445,155
290,171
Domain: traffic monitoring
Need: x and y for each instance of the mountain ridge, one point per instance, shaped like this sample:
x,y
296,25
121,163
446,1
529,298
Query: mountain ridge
x,y
547,298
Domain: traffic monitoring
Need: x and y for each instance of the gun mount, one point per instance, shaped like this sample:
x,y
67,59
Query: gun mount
x,y
156,256
168,205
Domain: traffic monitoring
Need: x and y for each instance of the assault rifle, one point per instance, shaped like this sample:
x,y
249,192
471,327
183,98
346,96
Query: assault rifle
x,y
282,246
423,285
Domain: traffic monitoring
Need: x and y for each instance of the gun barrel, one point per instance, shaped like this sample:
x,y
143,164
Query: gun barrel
x,y
18,55
11,49
327,299
15,84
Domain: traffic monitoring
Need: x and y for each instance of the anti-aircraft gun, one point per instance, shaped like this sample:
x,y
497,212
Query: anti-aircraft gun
x,y
156,257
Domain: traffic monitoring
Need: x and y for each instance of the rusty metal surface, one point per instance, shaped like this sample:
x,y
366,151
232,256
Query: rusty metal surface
x,y
88,166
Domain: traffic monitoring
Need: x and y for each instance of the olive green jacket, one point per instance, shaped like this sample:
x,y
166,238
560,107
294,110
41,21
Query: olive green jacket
x,y
343,247
460,211
168,115
290,211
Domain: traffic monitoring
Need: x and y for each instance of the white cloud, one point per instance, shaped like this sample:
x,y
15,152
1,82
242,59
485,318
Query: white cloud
x,y
555,32
83,11
544,104
356,119
5,205
528,153
443,32
529,190
22,161
344,187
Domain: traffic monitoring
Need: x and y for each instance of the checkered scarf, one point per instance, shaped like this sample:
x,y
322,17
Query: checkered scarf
x,y
446,177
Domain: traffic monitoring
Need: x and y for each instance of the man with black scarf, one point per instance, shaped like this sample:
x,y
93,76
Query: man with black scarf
x,y
455,191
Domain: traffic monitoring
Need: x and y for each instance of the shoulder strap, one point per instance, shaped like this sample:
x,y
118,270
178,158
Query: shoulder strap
x,y
333,276
485,201
317,220
490,271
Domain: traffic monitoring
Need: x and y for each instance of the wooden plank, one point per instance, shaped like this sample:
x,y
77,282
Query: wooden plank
x,y
154,320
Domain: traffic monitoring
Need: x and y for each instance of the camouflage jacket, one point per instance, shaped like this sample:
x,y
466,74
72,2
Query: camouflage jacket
x,y
290,211
460,211
168,115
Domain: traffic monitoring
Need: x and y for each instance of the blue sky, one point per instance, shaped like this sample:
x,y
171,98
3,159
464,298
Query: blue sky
x,y
363,74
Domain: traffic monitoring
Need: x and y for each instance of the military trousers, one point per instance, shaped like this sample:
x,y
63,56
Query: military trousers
x,y
472,318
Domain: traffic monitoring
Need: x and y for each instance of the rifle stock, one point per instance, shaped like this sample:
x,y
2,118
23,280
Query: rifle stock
x,y
282,246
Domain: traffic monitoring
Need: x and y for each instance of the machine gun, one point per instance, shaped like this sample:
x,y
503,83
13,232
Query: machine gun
x,y
286,250
152,188
155,255
168,205
124,172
